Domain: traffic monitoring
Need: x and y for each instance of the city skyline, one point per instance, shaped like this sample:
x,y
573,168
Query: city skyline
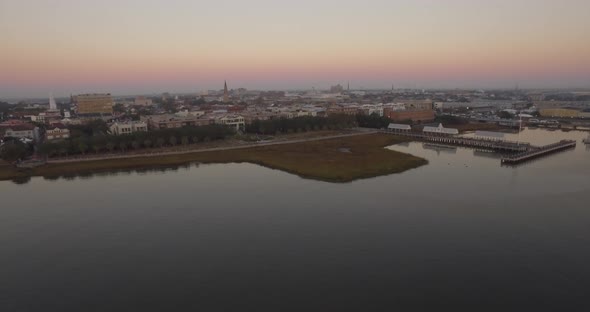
x,y
136,47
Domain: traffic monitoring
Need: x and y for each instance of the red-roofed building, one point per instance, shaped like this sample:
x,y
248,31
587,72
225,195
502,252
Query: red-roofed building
x,y
20,131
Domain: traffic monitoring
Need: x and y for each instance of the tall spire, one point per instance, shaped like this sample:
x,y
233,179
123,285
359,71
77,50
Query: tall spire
x,y
52,104
225,92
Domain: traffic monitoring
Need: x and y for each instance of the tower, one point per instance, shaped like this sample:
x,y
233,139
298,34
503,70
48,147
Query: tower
x,y
52,104
225,92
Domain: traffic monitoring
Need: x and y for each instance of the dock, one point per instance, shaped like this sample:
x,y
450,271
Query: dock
x,y
538,152
496,145
518,151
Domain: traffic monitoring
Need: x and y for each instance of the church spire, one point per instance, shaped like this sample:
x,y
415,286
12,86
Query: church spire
x,y
225,92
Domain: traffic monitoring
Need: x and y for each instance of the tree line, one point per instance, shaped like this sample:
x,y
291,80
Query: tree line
x,y
300,124
101,143
374,121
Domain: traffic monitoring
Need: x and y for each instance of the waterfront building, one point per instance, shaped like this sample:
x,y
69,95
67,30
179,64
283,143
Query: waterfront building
x,y
128,127
57,131
440,130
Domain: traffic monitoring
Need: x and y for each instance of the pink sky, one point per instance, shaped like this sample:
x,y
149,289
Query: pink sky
x,y
132,46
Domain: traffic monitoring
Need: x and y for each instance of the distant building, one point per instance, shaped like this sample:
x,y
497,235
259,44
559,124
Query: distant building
x,y
336,89
142,101
414,116
235,121
169,121
128,127
417,104
225,92
343,110
12,123
560,112
417,111
440,130
94,104
21,131
57,132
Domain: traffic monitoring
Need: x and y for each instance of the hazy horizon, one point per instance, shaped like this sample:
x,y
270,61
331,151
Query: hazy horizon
x,y
137,47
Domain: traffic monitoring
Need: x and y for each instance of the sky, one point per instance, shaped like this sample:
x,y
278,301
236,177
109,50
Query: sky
x,y
148,46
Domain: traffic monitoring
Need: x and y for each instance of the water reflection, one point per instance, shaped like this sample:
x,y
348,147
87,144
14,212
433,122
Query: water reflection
x,y
440,148
447,234
112,173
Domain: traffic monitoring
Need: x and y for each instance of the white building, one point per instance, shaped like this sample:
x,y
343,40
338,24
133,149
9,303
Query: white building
x,y
187,113
128,127
20,132
440,130
57,132
234,121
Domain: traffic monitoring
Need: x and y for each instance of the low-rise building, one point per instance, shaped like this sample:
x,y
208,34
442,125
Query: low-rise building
x,y
21,131
235,121
559,112
57,132
128,127
412,115
168,121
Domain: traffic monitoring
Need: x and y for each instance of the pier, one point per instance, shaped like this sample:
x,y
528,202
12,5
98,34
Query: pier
x,y
538,152
480,143
519,151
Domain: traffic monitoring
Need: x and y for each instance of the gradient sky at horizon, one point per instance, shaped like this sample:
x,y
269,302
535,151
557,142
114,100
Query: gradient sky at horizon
x,y
143,46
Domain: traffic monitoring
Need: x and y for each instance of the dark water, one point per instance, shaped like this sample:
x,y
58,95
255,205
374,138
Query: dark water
x,y
461,234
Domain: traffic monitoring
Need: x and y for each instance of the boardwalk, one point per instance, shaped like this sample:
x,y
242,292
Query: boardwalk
x,y
507,146
521,152
538,152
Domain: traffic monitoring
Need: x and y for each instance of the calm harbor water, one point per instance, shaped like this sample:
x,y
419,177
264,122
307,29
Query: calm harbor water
x,y
462,233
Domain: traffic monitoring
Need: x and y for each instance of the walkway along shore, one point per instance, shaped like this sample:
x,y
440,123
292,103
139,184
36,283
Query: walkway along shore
x,y
204,150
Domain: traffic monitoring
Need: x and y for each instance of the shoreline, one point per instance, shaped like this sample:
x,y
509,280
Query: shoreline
x,y
315,158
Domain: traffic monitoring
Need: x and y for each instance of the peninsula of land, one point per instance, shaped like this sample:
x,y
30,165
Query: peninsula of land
x,y
334,158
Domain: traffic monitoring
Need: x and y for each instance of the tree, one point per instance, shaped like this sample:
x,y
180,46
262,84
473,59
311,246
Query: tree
x,y
147,143
184,140
172,140
63,149
505,115
135,145
110,146
13,151
123,146
96,147
160,142
82,147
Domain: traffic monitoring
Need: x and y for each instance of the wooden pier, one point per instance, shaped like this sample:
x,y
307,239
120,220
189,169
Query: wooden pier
x,y
520,152
480,143
538,152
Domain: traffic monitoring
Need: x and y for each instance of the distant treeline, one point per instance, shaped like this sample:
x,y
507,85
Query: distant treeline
x,y
84,143
301,124
451,120
374,121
